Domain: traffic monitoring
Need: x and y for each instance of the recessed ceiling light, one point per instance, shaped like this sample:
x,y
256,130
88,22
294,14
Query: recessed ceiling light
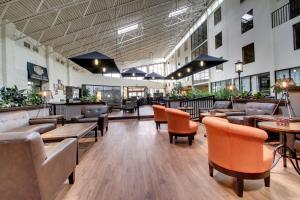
x,y
178,11
127,29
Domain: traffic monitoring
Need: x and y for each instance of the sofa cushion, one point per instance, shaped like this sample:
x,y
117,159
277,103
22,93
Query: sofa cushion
x,y
222,105
94,111
236,119
254,108
41,128
11,120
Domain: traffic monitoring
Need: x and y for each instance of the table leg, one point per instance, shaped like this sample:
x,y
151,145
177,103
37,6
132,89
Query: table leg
x,y
77,152
63,121
96,133
284,149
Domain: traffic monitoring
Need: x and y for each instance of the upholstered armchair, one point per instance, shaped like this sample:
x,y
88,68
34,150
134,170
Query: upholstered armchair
x,y
252,108
180,125
93,113
238,151
30,172
160,116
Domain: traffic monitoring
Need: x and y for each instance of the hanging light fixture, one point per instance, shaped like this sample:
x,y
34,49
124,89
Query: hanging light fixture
x,y
133,74
201,63
172,77
179,74
96,61
188,70
103,69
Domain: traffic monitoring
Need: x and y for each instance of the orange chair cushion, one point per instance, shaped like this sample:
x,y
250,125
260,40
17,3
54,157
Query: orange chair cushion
x,y
179,122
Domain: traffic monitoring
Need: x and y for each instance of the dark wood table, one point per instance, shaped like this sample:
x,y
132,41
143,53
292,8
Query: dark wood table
x,y
283,150
58,117
75,130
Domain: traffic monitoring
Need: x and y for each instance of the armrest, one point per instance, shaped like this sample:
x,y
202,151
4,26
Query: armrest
x,y
249,120
235,113
76,118
103,115
58,166
42,121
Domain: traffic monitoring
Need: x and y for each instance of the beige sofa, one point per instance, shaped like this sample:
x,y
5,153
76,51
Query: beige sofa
x,y
19,121
30,172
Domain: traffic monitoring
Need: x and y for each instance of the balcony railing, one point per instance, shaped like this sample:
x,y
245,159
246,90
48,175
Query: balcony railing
x,y
199,103
285,13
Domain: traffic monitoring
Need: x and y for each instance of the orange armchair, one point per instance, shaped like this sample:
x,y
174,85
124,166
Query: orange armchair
x,y
180,125
160,116
238,151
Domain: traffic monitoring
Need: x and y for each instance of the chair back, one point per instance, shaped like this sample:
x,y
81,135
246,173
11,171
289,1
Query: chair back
x,y
178,121
94,110
222,105
235,147
22,155
254,108
159,113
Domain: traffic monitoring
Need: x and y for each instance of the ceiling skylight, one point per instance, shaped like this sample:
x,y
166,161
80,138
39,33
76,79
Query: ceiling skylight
x,y
178,11
127,29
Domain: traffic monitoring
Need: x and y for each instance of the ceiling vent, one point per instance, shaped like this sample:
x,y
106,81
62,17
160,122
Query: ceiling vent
x,y
27,45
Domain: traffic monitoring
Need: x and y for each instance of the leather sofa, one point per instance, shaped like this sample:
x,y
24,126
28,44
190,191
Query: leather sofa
x,y
238,151
218,105
29,171
252,108
19,121
93,113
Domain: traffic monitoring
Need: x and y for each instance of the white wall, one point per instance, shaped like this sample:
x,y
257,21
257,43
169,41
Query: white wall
x,y
13,66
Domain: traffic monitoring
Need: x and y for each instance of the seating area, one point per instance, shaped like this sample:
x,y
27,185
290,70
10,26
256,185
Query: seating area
x,y
149,100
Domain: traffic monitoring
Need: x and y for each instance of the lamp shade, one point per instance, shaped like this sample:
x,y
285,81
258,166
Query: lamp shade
x,y
238,66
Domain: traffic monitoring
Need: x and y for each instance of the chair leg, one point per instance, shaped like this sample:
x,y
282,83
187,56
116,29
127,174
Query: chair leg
x,y
211,170
240,186
176,137
190,140
106,128
267,181
156,125
101,132
171,138
72,177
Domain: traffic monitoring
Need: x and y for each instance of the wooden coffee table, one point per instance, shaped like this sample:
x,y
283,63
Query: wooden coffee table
x,y
283,150
75,130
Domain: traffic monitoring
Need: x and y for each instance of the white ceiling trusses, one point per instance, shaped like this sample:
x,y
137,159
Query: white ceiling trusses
x,y
73,27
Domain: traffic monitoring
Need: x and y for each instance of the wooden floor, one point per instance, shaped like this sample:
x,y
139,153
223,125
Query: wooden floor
x,y
135,162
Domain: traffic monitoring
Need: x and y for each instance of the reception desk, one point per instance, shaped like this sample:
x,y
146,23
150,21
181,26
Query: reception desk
x,y
68,110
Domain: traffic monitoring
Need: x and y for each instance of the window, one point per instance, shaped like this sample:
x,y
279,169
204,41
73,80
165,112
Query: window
x,y
186,60
219,67
217,16
218,40
248,53
220,85
255,83
199,36
247,21
186,46
201,77
296,28
293,73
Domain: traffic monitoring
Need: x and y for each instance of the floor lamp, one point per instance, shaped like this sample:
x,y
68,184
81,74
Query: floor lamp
x,y
284,85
